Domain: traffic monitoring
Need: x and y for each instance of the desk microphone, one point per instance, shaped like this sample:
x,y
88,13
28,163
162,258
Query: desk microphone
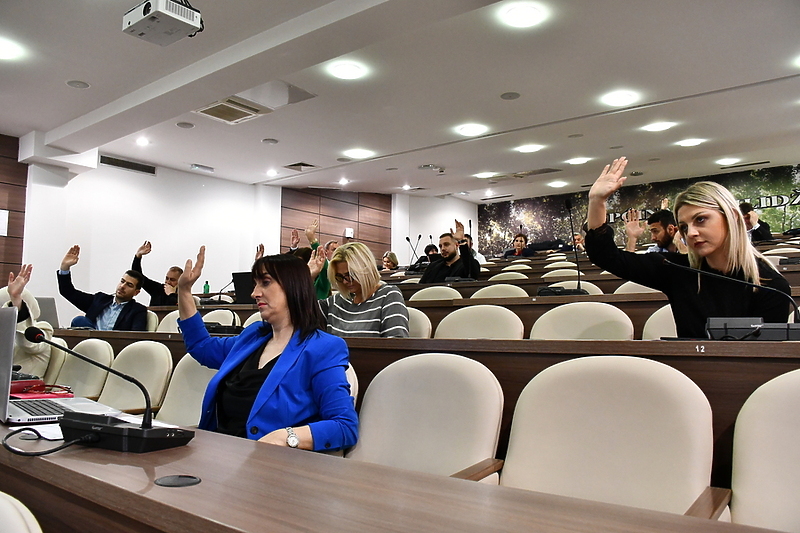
x,y
413,251
563,291
114,433
431,238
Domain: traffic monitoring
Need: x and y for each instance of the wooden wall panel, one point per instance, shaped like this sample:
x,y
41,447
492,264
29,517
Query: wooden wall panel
x,y
292,218
377,234
300,200
376,201
13,184
342,196
9,147
338,209
12,172
16,224
368,215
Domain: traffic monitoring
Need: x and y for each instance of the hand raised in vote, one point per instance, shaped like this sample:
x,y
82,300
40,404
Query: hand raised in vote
x,y
191,273
609,181
72,257
144,249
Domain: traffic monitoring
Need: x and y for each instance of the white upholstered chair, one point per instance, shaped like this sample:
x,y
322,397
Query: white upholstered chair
x,y
505,276
660,324
183,400
500,290
83,378
775,259
517,266
590,287
56,361
623,430
15,517
437,292
782,250
255,317
556,257
411,280
521,260
766,456
561,273
480,322
169,324
419,325
433,412
630,287
560,264
152,320
352,379
583,320
149,362
226,317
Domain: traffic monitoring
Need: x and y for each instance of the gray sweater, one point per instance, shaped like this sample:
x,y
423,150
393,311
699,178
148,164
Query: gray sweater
x,y
384,314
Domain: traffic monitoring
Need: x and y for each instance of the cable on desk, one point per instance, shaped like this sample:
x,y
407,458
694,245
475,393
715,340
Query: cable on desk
x,y
91,437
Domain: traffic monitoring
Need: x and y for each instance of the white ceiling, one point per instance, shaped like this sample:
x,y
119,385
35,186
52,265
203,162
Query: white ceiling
x,y
724,70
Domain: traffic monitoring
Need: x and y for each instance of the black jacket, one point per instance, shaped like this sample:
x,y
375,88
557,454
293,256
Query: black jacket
x,y
154,288
466,267
133,316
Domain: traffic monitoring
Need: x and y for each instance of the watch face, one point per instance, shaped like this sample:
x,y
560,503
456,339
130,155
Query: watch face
x,y
292,441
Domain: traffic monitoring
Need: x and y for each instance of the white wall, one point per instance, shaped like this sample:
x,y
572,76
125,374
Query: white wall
x,y
434,216
110,212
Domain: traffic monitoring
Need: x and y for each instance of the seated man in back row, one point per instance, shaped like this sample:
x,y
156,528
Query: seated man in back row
x,y
104,311
457,260
160,293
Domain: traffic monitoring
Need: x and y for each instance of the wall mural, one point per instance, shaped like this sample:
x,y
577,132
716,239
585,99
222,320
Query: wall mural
x,y
775,192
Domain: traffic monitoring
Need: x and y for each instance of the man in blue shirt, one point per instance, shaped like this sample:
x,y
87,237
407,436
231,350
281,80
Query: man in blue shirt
x,y
104,311
663,231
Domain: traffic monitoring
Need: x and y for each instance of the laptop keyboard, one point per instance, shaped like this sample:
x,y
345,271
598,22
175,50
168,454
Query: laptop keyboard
x,y
40,407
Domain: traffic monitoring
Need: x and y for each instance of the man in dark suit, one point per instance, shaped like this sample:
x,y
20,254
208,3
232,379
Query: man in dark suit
x,y
104,311
758,229
456,260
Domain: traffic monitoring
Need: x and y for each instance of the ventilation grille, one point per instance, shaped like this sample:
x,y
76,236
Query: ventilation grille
x,y
127,165
231,111
498,197
524,174
178,9
300,167
740,165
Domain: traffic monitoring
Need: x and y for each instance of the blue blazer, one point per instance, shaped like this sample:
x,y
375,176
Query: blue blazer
x,y
307,385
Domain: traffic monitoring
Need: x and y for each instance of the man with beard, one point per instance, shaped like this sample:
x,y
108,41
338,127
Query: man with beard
x,y
663,231
457,260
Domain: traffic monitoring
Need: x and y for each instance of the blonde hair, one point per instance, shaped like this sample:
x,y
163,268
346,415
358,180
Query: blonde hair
x,y
360,264
392,257
739,251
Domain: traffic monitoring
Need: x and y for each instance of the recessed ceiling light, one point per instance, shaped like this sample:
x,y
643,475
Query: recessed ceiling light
x,y
343,159
636,173
523,14
558,184
690,142
528,148
272,173
797,62
489,192
575,136
659,126
344,181
578,160
617,147
485,175
347,70
142,141
406,187
78,84
620,98
185,125
269,140
359,153
727,161
509,96
10,50
202,168
654,159
471,130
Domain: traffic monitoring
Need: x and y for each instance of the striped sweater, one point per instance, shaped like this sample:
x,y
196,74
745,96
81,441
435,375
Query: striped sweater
x,y
384,314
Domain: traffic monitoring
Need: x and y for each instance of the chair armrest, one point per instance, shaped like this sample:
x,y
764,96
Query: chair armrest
x,y
480,470
710,503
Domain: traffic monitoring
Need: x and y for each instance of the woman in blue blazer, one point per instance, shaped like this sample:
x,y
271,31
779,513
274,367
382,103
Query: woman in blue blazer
x,y
281,381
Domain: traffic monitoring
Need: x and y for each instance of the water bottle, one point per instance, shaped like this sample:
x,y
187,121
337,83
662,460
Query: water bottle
x,y
206,288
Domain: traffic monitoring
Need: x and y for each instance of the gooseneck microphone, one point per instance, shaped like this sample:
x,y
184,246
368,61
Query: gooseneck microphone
x,y
413,251
114,433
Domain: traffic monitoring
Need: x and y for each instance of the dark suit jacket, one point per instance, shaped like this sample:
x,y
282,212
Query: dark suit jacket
x,y
761,233
154,288
133,316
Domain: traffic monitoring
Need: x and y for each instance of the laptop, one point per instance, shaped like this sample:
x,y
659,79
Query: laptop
x,y
36,411
47,310
243,287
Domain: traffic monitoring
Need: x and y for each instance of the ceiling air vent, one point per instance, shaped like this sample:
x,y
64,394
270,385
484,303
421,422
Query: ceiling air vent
x,y
525,174
233,110
498,197
127,165
300,167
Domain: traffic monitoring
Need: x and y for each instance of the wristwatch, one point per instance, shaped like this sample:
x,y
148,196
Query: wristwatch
x,y
463,241
291,440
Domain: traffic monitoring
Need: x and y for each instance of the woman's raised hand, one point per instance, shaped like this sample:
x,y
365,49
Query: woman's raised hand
x,y
191,273
610,180
316,262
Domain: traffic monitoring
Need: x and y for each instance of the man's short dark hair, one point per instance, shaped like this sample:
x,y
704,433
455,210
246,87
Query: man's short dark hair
x,y
663,217
137,276
468,237
448,234
745,207
177,269
431,248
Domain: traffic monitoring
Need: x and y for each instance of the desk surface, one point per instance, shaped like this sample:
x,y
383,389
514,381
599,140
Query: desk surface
x,y
251,487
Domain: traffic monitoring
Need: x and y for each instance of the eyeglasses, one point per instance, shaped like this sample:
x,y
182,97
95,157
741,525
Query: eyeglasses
x,y
344,278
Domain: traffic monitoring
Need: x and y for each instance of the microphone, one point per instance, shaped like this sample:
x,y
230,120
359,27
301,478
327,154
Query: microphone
x,y
114,433
413,251
431,238
578,290
470,226
419,237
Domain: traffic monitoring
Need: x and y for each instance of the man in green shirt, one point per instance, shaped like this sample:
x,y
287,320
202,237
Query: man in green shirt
x,y
322,284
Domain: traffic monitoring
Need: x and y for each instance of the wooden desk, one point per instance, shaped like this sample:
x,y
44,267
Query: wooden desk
x,y
606,283
252,487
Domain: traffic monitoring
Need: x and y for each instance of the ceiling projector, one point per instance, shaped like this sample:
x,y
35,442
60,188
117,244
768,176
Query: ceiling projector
x,y
162,22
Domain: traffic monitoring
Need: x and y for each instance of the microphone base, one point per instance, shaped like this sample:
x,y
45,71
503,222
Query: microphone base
x,y
560,291
750,329
121,436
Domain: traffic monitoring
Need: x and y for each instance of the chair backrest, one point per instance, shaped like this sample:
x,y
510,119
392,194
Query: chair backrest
x,y
561,264
15,517
561,273
583,320
226,317
436,413
148,361
518,266
411,280
590,287
775,259
169,324
438,292
184,397
419,325
556,257
480,322
660,324
500,290
352,379
521,260
83,378
616,429
255,317
766,461
56,361
781,250
152,320
505,276
630,287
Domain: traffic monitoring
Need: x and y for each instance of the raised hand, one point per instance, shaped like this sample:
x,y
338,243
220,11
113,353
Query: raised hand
x,y
295,242
72,257
316,262
16,284
259,252
458,234
311,231
633,226
610,180
191,273
144,249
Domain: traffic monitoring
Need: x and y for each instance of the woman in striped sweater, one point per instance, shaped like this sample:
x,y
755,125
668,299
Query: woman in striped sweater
x,y
364,306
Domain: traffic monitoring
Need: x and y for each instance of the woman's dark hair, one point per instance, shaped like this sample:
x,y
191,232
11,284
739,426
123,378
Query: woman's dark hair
x,y
524,237
295,279
431,248
303,253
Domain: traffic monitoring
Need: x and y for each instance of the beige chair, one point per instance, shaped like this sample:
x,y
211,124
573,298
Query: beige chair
x,y
224,298
615,429
400,274
419,325
411,280
766,457
505,276
484,269
480,322
500,290
630,287
15,517
522,260
169,324
56,361
152,320
775,259
83,378
148,361
660,324
560,264
183,400
352,379
782,250
556,257
590,287
255,317
437,292
561,273
583,320
434,412
226,317
518,266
